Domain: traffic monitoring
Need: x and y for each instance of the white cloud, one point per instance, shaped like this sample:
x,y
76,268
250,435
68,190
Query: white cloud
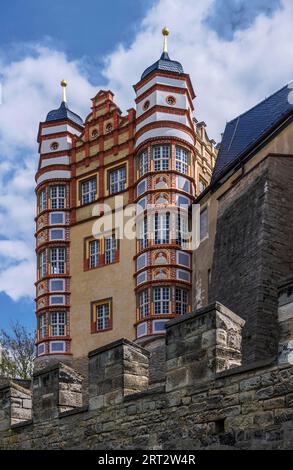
x,y
228,77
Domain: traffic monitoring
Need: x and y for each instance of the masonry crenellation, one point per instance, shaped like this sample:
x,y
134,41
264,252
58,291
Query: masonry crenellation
x,y
206,359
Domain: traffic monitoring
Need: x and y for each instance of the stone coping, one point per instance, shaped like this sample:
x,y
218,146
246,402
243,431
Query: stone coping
x,y
11,383
54,367
116,344
272,361
285,284
145,393
22,424
75,411
218,307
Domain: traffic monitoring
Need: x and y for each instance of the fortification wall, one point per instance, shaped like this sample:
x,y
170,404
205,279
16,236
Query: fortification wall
x,y
208,400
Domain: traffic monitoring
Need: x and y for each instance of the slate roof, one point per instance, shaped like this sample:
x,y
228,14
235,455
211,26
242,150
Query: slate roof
x,y
247,130
64,113
165,64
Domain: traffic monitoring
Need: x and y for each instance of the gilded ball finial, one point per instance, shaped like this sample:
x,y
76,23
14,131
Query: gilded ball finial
x,y
165,31
63,83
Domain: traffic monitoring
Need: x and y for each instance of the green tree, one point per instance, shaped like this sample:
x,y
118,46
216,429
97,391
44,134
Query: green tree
x,y
17,352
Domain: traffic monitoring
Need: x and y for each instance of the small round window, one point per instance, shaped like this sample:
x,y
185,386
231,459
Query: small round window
x,y
109,127
54,146
146,105
171,100
95,134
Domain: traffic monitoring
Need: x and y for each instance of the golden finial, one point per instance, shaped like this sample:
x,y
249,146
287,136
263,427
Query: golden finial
x,y
63,84
165,33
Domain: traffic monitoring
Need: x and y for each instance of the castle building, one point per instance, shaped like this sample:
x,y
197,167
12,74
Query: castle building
x,y
95,286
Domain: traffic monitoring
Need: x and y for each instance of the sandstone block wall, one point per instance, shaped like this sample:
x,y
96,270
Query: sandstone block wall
x,y
208,401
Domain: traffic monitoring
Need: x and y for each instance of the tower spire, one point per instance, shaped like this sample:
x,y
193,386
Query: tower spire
x,y
165,33
63,84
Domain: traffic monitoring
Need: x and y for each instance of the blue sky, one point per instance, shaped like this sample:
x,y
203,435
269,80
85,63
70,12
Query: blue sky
x,y
236,52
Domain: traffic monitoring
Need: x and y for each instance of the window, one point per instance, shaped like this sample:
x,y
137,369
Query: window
x,y
202,185
57,257
141,205
57,234
57,300
181,301
41,349
43,264
109,127
57,347
141,330
58,323
57,218
95,133
161,156
57,197
162,228
159,326
42,200
183,183
183,258
181,229
182,201
110,249
171,100
143,165
143,304
183,275
182,160
141,262
54,146
42,327
57,285
161,297
88,191
141,278
141,187
146,105
102,316
94,249
204,224
117,180
143,233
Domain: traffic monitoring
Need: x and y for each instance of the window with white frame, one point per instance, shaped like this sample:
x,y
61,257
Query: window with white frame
x,y
181,228
161,156
57,257
142,329
183,183
204,227
57,234
183,258
94,252
103,316
181,301
143,304
143,164
57,218
161,299
57,285
141,278
182,160
183,275
42,327
141,188
88,191
43,263
58,324
57,300
57,346
162,228
117,180
42,200
57,197
41,349
143,233
159,326
202,185
110,249
141,261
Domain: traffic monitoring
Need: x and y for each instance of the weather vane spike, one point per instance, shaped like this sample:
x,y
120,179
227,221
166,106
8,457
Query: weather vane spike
x,y
63,85
165,32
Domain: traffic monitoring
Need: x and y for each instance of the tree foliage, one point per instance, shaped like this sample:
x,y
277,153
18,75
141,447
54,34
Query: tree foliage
x,y
17,352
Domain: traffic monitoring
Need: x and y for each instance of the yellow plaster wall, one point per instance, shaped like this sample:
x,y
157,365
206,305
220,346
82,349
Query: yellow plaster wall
x,y
203,256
